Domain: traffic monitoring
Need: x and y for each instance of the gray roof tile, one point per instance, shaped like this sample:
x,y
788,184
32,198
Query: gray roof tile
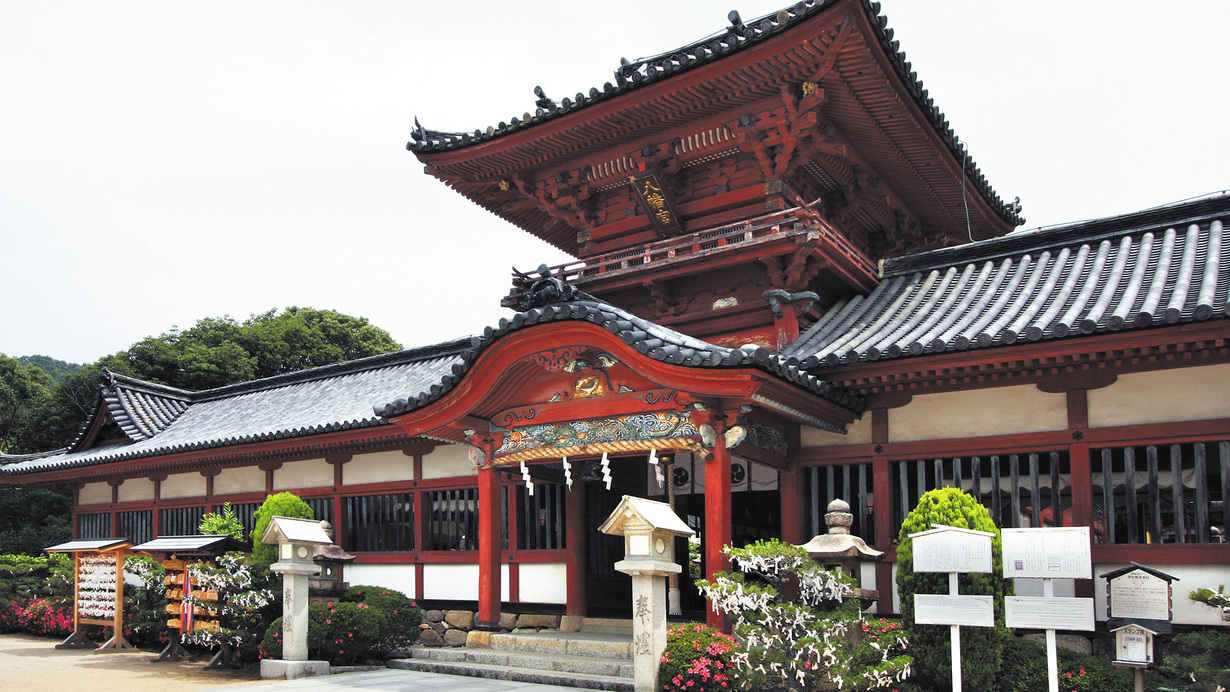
x,y
1163,266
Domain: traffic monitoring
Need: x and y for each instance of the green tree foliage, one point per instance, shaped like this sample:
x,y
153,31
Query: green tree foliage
x,y
981,647
279,505
224,523
24,391
58,369
41,414
33,518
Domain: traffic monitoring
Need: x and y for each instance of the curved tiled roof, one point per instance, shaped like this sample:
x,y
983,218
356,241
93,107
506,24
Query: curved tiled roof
x,y
1163,266
326,399
142,409
737,37
652,340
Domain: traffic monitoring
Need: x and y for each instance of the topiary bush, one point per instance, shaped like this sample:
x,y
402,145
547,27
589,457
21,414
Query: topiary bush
x,y
981,647
338,632
279,505
698,659
402,616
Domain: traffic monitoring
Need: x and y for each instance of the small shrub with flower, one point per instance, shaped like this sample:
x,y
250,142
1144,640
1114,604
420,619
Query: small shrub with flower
x,y
807,642
338,632
402,616
244,594
43,616
698,659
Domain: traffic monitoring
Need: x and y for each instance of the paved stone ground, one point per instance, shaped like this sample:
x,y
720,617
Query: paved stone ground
x,y
33,663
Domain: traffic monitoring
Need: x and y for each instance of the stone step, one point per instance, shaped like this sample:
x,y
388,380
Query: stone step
x,y
607,626
557,662
493,672
593,644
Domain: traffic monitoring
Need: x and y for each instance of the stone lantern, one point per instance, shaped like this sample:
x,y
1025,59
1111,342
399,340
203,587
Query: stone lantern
x,y
296,540
649,529
838,548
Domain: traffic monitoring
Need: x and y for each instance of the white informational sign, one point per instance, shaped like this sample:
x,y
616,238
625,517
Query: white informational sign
x,y
950,549
1049,613
1139,595
965,611
1047,553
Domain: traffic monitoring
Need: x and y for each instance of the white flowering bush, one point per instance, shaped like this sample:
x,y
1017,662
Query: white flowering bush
x,y
807,641
242,593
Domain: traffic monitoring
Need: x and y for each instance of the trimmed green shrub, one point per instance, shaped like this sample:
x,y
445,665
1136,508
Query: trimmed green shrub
x,y
44,576
338,632
981,647
698,659
1024,670
402,616
279,505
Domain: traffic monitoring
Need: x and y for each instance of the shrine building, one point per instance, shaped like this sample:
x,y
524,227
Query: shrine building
x,y
791,285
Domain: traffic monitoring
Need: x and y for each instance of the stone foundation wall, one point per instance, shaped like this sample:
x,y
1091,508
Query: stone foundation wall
x,y
453,627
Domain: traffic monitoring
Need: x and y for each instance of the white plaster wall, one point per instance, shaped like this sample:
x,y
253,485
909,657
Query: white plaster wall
x,y
977,413
399,577
1190,578
136,489
544,583
94,493
246,479
1162,396
457,582
309,473
448,461
859,433
378,467
183,485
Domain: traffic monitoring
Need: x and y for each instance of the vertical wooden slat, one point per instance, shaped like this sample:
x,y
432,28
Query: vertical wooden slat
x,y
975,469
997,499
813,481
528,534
903,468
862,503
830,485
938,476
1035,501
1108,495
957,481
1056,495
1176,493
922,485
1201,529
1014,467
845,485
1155,496
1223,451
1129,481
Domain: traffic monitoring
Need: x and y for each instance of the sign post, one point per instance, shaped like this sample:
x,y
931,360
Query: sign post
x,y
1048,554
1138,608
955,551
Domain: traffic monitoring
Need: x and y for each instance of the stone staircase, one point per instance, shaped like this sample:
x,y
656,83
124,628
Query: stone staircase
x,y
597,657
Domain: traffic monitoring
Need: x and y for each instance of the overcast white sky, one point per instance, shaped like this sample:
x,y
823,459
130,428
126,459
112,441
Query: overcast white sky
x,y
166,161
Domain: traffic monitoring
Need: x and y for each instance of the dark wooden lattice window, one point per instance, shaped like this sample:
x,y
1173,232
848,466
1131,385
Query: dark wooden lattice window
x,y
1172,493
451,518
137,526
180,521
1021,490
322,509
380,522
94,525
541,519
849,482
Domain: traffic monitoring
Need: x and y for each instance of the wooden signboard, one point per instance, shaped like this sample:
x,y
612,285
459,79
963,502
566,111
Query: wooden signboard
x,y
1138,595
98,590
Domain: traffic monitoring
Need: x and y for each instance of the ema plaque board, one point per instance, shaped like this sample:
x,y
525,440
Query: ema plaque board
x,y
951,549
1138,595
965,611
1049,613
1047,553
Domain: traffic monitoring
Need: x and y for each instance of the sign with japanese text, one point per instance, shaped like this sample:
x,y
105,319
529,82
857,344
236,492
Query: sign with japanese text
x,y
1047,553
1049,613
657,204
